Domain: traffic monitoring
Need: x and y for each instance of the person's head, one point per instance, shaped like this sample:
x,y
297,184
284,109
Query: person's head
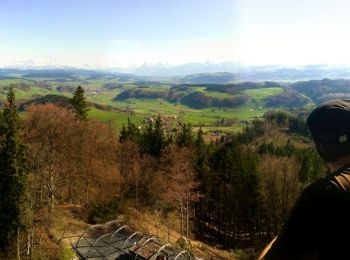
x,y
329,125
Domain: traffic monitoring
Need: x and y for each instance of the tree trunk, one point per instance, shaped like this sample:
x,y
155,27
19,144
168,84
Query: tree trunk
x,y
168,227
28,244
181,219
187,218
87,189
32,242
136,192
69,193
18,249
51,194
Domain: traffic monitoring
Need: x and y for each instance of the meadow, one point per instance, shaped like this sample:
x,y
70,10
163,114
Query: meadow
x,y
103,91
262,93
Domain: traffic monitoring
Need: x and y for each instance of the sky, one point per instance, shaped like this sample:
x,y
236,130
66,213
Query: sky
x,y
124,33
115,32
292,32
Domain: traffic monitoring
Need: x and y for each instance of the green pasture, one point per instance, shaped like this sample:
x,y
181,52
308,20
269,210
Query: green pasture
x,y
115,117
139,108
225,129
105,98
197,119
207,116
154,89
33,91
147,106
260,93
216,94
8,82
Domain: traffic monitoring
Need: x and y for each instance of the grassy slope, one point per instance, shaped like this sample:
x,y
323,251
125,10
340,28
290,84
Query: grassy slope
x,y
7,82
261,93
105,98
115,117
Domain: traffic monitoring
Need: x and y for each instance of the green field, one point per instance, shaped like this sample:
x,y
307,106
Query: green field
x,y
217,94
115,117
105,98
137,109
8,82
224,129
261,93
32,92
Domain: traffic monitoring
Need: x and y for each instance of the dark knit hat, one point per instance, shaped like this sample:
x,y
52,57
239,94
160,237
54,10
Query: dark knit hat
x,y
330,129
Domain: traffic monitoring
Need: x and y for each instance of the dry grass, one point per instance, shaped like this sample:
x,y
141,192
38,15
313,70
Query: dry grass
x,y
156,225
67,225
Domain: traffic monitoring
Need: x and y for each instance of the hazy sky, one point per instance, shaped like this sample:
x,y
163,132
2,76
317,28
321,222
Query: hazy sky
x,y
292,31
126,32
120,32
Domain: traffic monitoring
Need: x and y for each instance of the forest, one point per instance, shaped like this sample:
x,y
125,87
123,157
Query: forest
x,y
193,100
234,192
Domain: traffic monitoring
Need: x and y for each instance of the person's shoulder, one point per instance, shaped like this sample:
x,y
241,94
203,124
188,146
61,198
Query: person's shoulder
x,y
322,184
320,188
327,189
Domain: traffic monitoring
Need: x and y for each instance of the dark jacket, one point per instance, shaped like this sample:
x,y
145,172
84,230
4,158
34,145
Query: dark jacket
x,y
318,226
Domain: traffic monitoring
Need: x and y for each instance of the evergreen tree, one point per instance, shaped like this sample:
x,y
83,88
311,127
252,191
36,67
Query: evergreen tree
x,y
123,134
13,169
199,142
79,104
201,159
185,135
131,132
153,138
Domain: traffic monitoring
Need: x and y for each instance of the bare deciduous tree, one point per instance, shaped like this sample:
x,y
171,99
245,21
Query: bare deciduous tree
x,y
279,186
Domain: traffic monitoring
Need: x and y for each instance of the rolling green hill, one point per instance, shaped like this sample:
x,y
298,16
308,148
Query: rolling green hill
x,y
114,97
